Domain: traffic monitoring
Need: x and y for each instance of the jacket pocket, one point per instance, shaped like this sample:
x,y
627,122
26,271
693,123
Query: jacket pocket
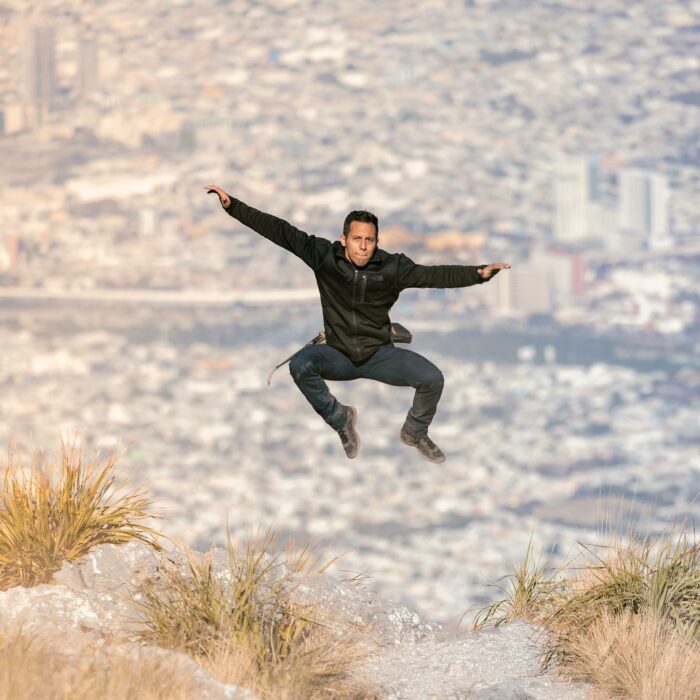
x,y
370,281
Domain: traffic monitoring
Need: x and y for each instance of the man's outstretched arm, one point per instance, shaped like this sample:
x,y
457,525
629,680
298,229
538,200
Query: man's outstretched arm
x,y
309,248
444,276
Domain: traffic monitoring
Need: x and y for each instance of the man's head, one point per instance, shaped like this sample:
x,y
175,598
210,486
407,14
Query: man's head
x,y
360,236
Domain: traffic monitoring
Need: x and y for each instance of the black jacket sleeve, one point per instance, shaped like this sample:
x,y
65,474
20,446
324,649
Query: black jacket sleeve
x,y
309,248
441,276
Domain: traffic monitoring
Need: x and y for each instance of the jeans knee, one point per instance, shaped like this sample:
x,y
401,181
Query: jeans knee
x,y
295,366
434,380
299,366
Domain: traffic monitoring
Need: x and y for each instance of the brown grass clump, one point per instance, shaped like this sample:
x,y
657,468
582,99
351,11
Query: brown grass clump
x,y
243,629
628,618
57,511
29,670
317,667
637,656
659,579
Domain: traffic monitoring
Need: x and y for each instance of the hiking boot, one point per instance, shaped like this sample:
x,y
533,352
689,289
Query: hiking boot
x,y
348,434
427,448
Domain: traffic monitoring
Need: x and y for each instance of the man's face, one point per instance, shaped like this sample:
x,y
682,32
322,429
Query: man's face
x,y
360,243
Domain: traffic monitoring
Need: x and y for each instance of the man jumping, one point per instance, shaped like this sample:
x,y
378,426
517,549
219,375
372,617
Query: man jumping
x,y
359,283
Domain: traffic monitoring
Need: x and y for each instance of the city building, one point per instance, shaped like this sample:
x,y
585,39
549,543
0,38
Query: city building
x,y
643,210
526,289
565,272
576,188
40,67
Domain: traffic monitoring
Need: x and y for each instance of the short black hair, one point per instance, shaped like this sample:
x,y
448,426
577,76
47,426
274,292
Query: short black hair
x,y
365,217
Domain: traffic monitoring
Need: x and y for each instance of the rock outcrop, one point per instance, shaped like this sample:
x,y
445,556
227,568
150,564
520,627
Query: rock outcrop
x,y
90,607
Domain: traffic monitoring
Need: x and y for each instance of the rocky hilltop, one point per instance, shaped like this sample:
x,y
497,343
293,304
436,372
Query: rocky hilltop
x,y
91,608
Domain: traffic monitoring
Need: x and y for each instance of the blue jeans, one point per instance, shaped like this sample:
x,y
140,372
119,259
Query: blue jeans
x,y
389,364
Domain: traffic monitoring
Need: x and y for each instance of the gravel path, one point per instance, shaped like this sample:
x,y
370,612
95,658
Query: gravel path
x,y
493,664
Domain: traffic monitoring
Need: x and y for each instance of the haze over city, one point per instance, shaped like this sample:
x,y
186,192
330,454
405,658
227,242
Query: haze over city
x,y
562,137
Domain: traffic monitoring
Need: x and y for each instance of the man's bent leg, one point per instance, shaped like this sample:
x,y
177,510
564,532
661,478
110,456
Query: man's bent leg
x,y
401,367
310,367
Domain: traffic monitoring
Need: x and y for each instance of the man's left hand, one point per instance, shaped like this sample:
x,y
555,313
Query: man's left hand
x,y
492,270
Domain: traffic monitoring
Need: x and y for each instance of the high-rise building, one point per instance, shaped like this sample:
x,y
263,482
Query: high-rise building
x,y
40,65
593,175
643,209
602,224
524,290
576,186
565,271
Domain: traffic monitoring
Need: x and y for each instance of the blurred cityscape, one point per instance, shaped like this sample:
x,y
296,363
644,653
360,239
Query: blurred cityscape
x,y
561,137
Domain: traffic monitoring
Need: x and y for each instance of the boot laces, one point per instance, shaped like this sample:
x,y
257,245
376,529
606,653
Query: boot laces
x,y
429,443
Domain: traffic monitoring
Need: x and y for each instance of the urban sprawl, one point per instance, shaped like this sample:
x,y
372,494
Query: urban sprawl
x,y
561,137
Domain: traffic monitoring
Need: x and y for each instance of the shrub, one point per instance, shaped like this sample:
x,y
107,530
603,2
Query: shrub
x,y
659,579
58,511
628,618
242,628
636,655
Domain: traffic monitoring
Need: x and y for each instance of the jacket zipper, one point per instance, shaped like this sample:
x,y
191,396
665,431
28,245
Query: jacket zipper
x,y
354,315
363,288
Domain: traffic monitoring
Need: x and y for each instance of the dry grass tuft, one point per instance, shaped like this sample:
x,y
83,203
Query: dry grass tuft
x,y
57,511
636,656
243,629
529,591
660,579
28,671
627,619
317,667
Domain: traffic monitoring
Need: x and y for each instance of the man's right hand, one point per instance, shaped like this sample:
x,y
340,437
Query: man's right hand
x,y
224,198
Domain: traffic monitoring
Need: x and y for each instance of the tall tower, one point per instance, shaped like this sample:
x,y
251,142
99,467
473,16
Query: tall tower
x,y
643,209
40,65
576,186
659,230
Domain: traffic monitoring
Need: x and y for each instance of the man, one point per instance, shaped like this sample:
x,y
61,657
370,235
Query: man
x,y
359,283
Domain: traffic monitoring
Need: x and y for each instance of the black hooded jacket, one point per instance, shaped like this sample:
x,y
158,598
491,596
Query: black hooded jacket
x,y
355,301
